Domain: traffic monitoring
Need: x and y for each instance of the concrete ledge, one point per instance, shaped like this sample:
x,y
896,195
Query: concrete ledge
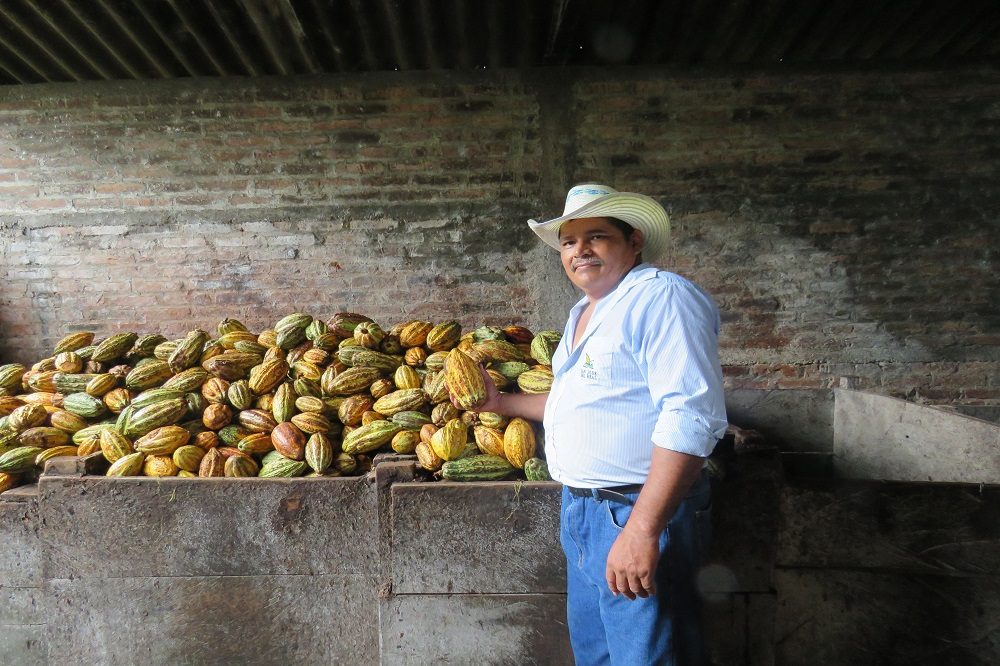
x,y
139,526
281,620
489,537
869,617
791,419
475,629
942,529
876,437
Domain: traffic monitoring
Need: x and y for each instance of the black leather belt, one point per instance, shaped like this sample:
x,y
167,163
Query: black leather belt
x,y
612,494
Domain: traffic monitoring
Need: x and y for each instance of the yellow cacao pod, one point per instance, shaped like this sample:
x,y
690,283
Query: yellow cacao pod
x,y
519,442
449,441
465,380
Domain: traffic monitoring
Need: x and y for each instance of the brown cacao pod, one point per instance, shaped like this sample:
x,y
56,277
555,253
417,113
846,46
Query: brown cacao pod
x,y
289,441
353,407
213,464
257,420
217,416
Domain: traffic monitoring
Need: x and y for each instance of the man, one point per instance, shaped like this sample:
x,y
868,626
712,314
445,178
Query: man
x,y
636,406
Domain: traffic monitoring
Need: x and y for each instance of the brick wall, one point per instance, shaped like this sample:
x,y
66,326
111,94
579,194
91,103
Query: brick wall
x,y
844,221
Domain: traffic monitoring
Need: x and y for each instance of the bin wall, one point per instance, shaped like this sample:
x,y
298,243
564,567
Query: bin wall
x,y
23,620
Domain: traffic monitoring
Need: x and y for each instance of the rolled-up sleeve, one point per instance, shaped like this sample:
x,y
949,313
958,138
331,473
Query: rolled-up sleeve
x,y
679,346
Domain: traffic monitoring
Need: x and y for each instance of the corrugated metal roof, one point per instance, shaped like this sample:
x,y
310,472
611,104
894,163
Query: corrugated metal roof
x,y
83,40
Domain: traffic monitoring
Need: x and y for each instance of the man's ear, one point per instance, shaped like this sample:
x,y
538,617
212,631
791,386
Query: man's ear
x,y
638,240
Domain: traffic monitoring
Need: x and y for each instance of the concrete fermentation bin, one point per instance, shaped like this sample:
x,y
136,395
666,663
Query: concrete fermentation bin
x,y
208,571
475,571
22,593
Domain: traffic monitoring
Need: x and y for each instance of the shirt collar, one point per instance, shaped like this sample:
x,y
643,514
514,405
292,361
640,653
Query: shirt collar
x,y
638,274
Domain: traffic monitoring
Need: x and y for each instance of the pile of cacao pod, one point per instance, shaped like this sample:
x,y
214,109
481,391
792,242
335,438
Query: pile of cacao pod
x,y
306,397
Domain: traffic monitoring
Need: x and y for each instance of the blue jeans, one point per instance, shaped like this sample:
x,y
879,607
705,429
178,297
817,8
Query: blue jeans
x,y
660,629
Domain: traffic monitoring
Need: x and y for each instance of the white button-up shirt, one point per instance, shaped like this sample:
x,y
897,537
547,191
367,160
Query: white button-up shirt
x,y
646,372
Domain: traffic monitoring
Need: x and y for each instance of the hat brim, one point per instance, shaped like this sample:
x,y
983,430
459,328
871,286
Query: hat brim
x,y
638,210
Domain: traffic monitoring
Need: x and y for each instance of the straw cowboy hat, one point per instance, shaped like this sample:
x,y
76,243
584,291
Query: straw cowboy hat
x,y
592,200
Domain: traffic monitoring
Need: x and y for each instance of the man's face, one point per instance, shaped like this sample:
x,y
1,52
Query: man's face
x,y
596,255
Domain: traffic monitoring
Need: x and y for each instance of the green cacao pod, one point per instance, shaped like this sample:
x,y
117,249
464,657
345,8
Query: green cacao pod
x,y
477,468
536,469
188,380
19,459
114,347
283,407
401,401
370,437
188,351
239,395
157,415
129,465
73,342
283,468
319,452
444,336
148,375
352,380
240,466
410,420
543,346
84,404
535,381
153,396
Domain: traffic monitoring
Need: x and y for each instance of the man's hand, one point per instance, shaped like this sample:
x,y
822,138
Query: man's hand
x,y
492,402
631,568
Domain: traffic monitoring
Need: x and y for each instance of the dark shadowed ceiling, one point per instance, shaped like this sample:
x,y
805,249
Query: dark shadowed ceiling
x,y
84,40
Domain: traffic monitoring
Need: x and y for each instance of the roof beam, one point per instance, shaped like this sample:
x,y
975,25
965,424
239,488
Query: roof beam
x,y
726,31
427,30
938,37
223,23
495,36
263,29
882,34
41,44
299,35
799,18
167,39
56,27
840,44
808,43
326,29
396,35
969,38
127,29
199,38
365,34
662,25
15,71
92,29
692,38
762,23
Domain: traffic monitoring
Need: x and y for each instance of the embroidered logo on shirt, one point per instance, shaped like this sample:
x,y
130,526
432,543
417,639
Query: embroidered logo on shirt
x,y
587,361
587,370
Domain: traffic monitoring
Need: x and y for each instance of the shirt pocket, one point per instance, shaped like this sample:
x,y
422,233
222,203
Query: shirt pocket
x,y
596,365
